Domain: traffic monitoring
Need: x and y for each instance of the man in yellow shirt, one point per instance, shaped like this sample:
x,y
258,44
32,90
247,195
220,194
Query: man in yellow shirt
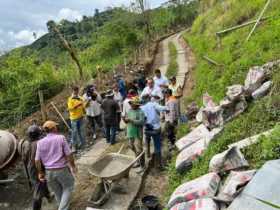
x,y
76,110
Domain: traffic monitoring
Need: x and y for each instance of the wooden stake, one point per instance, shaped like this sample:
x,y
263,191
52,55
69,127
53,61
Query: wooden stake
x,y
42,104
258,20
60,115
211,61
220,33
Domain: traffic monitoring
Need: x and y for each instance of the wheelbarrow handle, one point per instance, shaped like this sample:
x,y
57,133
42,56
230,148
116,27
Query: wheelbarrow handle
x,y
120,150
137,158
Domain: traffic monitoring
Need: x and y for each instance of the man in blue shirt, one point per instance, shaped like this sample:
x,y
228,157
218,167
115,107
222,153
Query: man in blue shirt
x,y
152,129
121,85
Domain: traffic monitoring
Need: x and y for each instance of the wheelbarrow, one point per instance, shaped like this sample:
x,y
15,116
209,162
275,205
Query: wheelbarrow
x,y
110,169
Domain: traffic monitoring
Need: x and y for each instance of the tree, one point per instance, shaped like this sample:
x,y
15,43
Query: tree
x,y
143,7
53,28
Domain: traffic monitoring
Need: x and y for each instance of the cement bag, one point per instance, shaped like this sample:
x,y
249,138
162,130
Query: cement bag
x,y
212,117
254,79
208,101
262,91
228,160
233,184
235,92
200,204
205,186
199,133
198,116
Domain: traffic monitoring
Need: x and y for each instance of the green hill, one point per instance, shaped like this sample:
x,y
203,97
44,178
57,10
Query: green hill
x,y
104,39
236,57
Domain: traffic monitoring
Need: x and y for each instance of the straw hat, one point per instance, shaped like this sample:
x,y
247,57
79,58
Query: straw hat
x,y
135,101
50,124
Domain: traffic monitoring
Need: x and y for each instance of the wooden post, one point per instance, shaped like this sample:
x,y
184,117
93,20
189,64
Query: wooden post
x,y
227,30
124,61
258,20
42,104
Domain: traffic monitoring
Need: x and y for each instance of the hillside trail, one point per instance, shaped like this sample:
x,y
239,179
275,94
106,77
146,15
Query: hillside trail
x,y
157,183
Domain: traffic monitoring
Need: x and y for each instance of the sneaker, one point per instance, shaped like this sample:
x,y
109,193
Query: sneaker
x,y
94,137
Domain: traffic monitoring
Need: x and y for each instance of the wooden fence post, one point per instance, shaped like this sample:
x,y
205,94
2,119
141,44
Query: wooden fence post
x,y
42,105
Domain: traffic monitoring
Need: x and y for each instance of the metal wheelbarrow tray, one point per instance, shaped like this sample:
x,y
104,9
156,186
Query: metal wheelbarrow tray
x,y
113,166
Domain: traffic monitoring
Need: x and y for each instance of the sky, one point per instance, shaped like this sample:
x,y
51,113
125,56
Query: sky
x,y
20,19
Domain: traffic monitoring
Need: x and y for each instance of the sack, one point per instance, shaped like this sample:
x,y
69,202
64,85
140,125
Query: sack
x,y
254,79
200,204
228,160
262,91
199,133
205,186
235,92
233,184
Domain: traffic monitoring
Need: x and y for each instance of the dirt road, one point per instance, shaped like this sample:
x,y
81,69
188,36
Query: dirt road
x,y
156,183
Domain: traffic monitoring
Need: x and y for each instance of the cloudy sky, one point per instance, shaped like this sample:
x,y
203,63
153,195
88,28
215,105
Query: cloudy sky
x,y
19,19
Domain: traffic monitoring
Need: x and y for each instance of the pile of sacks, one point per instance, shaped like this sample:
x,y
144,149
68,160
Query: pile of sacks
x,y
208,193
213,117
256,85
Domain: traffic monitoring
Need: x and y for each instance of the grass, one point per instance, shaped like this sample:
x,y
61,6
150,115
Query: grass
x,y
237,56
172,69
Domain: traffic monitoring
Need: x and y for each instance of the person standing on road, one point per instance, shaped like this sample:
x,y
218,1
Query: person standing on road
x,y
110,108
171,117
135,121
152,128
160,80
126,105
54,154
93,112
174,86
76,111
121,85
151,89
27,150
119,99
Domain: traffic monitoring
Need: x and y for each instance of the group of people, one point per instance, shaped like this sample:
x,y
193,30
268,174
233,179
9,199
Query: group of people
x,y
142,109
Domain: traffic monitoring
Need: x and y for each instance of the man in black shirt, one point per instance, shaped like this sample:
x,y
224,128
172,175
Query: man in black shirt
x,y
110,108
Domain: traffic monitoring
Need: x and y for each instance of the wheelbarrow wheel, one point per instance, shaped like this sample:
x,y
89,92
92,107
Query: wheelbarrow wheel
x,y
100,195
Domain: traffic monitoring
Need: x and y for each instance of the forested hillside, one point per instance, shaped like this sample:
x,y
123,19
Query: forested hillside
x,y
104,39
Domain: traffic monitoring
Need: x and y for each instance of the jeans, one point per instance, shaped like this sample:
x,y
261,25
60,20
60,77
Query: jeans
x,y
170,132
111,134
97,120
61,182
77,132
156,136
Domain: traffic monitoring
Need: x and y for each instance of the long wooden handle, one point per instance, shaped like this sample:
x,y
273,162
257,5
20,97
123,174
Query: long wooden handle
x,y
60,115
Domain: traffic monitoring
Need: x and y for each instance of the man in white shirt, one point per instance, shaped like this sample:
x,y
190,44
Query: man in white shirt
x,y
151,90
160,80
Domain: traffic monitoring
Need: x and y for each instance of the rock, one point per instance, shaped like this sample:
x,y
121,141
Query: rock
x,y
199,204
202,187
263,187
234,183
228,160
262,91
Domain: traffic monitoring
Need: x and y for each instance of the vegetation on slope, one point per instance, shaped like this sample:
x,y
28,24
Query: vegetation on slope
x,y
237,56
104,39
173,65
